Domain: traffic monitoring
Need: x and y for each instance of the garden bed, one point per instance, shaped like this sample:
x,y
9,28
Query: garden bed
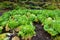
x,y
41,30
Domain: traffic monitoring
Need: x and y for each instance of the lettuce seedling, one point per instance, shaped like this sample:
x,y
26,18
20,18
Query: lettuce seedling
x,y
23,20
2,21
12,24
48,21
52,26
32,18
56,25
27,31
50,30
5,16
41,18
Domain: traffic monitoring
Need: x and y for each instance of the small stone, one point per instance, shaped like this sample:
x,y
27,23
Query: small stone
x,y
15,38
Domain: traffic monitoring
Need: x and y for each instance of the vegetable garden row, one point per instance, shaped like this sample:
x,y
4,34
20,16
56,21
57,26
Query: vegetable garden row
x,y
23,20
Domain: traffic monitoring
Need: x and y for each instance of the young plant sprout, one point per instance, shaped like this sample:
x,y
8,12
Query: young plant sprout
x,y
32,18
27,31
12,24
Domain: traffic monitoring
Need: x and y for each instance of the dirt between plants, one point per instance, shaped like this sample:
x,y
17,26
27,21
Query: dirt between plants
x,y
40,33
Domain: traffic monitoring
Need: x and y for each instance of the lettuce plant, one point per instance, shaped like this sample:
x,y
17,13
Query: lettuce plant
x,y
56,25
12,24
27,31
48,21
50,30
32,18
52,26
41,18
23,20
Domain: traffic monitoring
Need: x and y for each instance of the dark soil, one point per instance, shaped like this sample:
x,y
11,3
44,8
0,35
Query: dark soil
x,y
40,33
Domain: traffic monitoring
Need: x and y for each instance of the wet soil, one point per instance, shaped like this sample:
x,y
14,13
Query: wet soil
x,y
40,33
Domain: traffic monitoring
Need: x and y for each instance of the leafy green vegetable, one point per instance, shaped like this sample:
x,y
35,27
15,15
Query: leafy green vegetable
x,y
32,17
27,31
48,21
56,25
12,24
50,30
23,20
41,18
